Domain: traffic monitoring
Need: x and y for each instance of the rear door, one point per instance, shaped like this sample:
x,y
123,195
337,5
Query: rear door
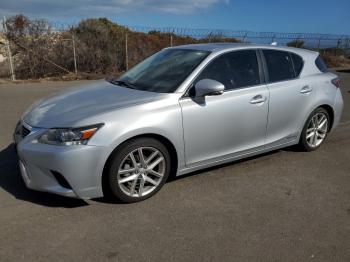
x,y
290,96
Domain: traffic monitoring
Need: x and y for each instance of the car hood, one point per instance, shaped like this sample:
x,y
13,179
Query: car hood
x,y
66,108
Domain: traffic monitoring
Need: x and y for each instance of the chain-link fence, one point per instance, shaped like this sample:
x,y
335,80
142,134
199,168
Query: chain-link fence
x,y
310,40
34,48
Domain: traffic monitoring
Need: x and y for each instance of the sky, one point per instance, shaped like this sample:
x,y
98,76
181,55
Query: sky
x,y
299,16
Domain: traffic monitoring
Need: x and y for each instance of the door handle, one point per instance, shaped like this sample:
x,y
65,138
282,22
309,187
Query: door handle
x,y
258,99
306,89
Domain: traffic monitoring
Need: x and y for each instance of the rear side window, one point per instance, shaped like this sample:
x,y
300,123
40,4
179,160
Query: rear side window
x,y
321,65
298,63
234,70
279,65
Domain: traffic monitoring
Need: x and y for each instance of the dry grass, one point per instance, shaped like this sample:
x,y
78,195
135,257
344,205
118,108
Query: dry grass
x,y
336,61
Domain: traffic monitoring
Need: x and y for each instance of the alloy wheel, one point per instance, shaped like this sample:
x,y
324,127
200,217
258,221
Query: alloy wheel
x,y
317,130
141,171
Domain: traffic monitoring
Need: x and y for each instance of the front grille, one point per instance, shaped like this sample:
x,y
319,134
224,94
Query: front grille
x,y
25,131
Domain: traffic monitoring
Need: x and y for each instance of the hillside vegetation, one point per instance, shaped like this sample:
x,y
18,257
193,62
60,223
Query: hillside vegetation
x,y
100,47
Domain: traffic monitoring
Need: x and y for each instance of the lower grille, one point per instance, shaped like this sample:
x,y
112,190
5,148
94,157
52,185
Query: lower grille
x,y
61,180
25,131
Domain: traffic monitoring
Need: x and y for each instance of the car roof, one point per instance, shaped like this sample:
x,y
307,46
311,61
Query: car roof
x,y
219,47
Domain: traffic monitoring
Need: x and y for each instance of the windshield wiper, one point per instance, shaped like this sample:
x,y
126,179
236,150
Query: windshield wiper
x,y
121,82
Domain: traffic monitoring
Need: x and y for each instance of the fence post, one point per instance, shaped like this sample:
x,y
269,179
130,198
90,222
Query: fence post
x,y
9,54
338,46
339,42
244,37
126,52
171,40
319,43
74,55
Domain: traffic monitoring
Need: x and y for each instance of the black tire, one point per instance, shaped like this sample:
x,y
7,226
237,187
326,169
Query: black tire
x,y
303,140
115,193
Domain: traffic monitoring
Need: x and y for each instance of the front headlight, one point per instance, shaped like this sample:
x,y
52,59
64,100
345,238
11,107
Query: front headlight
x,y
69,136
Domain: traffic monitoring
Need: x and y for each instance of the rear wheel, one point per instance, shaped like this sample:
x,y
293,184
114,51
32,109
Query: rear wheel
x,y
315,130
139,169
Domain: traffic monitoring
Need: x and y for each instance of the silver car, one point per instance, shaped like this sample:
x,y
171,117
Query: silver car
x,y
182,109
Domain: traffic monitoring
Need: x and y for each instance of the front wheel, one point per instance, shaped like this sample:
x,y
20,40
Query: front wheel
x,y
139,169
315,130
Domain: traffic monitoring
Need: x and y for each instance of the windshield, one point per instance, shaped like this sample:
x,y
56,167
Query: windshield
x,y
164,71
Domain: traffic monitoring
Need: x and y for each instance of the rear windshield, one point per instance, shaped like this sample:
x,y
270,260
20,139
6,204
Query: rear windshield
x,y
321,65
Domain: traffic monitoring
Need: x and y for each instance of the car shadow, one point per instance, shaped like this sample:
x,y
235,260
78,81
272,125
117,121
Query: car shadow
x,y
11,181
294,148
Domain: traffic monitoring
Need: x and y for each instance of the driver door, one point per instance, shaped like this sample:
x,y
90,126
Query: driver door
x,y
228,125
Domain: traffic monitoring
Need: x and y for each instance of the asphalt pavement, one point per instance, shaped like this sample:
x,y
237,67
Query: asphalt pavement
x,y
282,206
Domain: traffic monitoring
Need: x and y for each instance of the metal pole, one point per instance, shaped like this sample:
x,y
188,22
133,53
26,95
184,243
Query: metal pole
x,y
74,55
319,44
171,40
126,52
9,54
338,46
244,37
339,42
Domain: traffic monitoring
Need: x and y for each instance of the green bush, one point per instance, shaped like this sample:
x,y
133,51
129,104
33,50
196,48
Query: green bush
x,y
296,43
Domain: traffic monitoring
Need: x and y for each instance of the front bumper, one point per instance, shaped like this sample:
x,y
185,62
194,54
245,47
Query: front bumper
x,y
81,166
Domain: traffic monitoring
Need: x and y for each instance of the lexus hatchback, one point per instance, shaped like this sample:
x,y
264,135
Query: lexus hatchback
x,y
183,109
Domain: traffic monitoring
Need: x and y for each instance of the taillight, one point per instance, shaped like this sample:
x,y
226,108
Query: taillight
x,y
336,82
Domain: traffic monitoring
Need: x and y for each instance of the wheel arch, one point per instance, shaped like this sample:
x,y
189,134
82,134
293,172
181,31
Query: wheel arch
x,y
330,112
165,141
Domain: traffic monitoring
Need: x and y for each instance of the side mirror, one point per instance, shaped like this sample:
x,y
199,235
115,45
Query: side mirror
x,y
208,87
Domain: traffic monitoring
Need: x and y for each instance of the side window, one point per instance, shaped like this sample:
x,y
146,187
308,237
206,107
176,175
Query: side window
x,y
321,65
279,65
298,63
234,70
